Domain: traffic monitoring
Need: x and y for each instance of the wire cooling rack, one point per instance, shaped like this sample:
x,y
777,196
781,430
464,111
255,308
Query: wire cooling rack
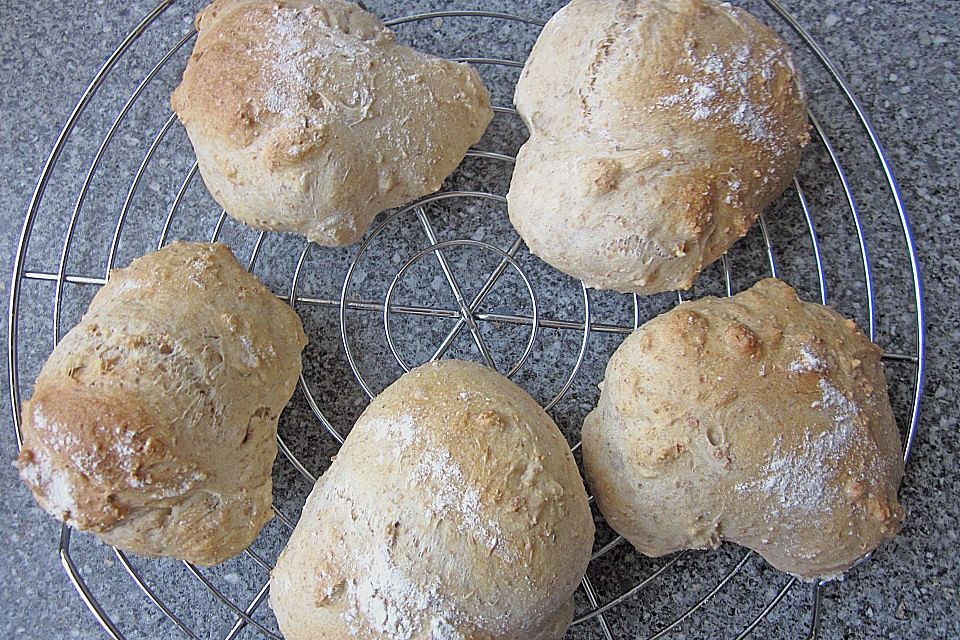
x,y
445,276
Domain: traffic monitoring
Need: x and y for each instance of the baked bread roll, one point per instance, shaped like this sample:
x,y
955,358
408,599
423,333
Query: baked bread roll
x,y
757,419
153,423
658,132
453,510
307,116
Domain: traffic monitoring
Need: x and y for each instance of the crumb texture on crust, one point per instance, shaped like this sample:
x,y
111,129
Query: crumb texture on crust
x,y
758,419
307,116
658,132
153,423
453,510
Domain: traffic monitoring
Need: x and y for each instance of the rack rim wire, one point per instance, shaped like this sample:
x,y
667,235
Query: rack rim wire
x,y
243,616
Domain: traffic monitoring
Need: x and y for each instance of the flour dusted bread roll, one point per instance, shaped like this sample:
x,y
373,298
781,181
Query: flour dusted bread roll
x,y
307,116
757,419
658,132
153,423
454,510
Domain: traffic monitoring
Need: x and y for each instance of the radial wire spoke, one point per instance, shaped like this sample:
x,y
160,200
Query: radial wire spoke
x,y
631,591
377,307
218,229
491,155
592,599
467,315
145,588
727,277
256,557
502,62
286,520
477,300
769,245
766,610
605,549
250,609
255,253
703,601
227,602
815,614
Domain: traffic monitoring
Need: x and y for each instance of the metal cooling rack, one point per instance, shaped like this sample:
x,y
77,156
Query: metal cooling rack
x,y
228,602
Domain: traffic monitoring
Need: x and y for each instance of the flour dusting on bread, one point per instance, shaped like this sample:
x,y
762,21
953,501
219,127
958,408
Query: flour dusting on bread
x,y
658,132
453,510
295,48
386,600
52,485
733,86
456,499
309,117
153,422
809,360
800,463
804,478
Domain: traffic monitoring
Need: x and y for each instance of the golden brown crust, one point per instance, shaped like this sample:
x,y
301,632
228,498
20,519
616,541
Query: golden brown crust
x,y
227,85
153,422
697,107
102,420
758,419
453,510
307,116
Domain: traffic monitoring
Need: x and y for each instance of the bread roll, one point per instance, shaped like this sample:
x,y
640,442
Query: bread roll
x,y
658,132
153,423
307,116
453,510
757,419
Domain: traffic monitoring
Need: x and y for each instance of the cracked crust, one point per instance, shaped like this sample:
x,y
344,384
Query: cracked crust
x,y
153,423
658,132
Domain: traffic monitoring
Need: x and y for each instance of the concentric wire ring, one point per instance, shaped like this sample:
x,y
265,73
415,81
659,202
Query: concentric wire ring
x,y
241,617
435,248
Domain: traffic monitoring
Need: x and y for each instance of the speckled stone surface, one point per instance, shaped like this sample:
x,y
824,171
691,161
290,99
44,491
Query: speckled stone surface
x,y
900,59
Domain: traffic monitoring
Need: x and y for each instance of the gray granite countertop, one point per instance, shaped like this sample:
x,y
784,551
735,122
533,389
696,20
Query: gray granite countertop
x,y
900,58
